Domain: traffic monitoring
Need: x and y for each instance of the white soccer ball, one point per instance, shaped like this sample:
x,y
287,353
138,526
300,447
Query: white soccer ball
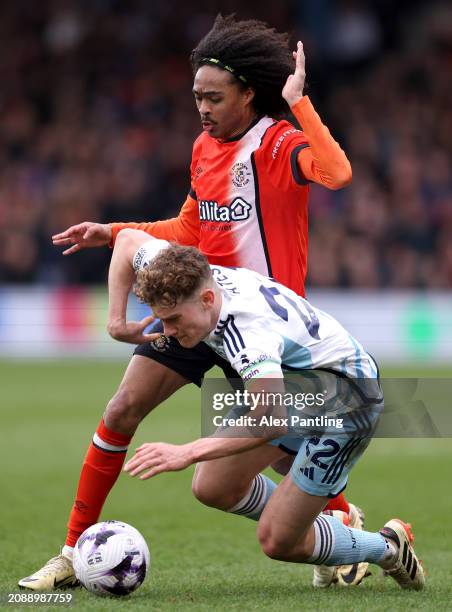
x,y
111,558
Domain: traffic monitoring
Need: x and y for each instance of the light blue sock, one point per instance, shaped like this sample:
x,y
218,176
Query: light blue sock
x,y
337,544
254,502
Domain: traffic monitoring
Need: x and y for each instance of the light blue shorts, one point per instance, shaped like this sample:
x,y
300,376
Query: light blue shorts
x,y
325,457
322,465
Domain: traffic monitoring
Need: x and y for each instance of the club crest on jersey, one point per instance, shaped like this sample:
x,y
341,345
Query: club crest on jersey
x,y
210,210
161,343
240,174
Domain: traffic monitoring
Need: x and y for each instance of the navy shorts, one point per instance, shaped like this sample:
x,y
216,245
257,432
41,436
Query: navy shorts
x,y
190,363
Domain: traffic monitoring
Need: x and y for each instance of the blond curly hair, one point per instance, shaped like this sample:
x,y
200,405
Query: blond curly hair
x,y
172,276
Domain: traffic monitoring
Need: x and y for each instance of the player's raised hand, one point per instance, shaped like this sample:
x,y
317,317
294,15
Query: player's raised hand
x,y
133,331
82,236
293,89
155,458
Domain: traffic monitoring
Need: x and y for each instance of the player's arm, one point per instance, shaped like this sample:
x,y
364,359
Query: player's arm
x,y
263,375
183,229
323,161
121,277
151,459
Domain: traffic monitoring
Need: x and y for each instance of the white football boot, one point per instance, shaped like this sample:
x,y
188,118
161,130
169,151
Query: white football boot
x,y
324,576
57,573
407,571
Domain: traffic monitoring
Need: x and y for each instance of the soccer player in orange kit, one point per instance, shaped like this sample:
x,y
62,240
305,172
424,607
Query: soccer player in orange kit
x,y
247,207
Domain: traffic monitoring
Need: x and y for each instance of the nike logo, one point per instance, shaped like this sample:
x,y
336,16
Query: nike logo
x,y
69,581
350,577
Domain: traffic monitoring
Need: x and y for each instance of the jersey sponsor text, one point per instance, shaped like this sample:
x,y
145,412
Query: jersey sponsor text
x,y
238,210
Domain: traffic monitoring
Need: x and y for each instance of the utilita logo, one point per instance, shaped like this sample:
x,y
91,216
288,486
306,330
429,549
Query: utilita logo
x,y
238,210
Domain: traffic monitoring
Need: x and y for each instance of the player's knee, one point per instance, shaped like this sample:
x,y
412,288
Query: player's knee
x,y
278,547
215,494
124,412
208,495
270,545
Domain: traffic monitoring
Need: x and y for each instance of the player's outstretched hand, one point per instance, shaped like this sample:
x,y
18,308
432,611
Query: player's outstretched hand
x,y
133,331
83,236
155,458
293,89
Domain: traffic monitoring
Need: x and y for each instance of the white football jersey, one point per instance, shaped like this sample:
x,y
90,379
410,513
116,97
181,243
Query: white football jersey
x,y
266,328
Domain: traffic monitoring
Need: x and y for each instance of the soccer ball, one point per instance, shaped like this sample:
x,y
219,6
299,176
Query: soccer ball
x,y
111,558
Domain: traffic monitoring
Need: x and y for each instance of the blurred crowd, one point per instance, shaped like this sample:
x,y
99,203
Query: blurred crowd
x,y
97,123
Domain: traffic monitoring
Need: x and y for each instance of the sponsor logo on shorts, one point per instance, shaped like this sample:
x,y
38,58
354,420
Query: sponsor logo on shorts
x,y
238,210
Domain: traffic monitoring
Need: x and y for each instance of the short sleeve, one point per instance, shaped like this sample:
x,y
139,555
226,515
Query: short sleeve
x,y
279,152
252,349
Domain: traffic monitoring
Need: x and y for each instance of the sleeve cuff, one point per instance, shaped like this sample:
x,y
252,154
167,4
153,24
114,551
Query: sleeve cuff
x,y
302,104
297,174
306,115
115,229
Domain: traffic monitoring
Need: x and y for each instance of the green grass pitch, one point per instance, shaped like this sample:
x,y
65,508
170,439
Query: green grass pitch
x,y
202,559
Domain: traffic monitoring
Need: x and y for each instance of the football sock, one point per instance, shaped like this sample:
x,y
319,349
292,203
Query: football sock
x,y
255,500
68,552
101,467
337,544
338,503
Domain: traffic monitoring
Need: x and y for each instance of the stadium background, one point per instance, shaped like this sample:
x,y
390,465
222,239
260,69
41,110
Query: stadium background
x,y
97,122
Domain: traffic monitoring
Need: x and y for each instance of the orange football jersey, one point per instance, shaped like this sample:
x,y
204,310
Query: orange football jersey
x,y
248,203
252,201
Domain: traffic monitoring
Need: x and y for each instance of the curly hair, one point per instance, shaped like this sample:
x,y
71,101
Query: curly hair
x,y
172,276
255,51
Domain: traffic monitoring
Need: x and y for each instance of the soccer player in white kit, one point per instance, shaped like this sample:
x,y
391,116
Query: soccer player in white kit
x,y
263,328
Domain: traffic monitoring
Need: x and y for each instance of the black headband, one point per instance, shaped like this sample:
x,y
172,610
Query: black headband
x,y
216,62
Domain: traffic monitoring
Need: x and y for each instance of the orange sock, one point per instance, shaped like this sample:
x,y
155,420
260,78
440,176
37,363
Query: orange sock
x,y
338,503
101,468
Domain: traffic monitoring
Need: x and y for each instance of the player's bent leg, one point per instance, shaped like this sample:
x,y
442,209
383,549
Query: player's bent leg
x,y
289,530
283,466
146,384
285,529
234,484
345,575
